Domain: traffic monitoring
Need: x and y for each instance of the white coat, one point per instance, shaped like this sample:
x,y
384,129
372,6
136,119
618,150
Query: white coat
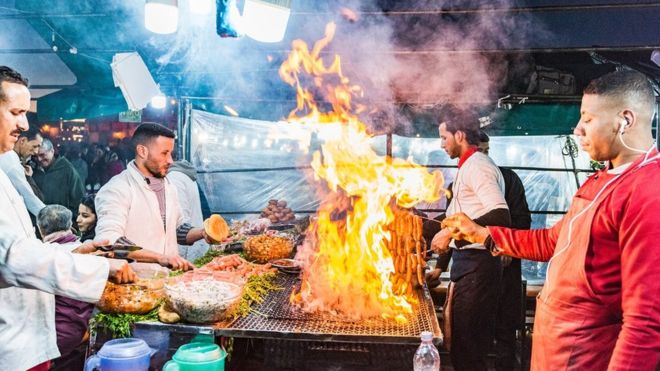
x,y
191,208
127,207
30,273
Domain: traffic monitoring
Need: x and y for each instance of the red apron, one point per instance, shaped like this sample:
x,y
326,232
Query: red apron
x,y
573,328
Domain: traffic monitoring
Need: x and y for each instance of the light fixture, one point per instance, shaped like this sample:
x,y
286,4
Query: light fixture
x,y
161,16
159,101
266,20
201,7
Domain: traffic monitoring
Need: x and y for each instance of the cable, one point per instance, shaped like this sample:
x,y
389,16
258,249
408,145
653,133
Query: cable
x,y
644,162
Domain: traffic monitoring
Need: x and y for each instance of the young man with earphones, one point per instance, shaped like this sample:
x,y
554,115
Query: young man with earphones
x,y
600,306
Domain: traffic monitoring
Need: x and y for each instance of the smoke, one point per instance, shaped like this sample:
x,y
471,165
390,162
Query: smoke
x,y
419,54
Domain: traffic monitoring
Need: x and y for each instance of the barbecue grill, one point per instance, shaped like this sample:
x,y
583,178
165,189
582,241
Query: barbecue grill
x,y
277,318
297,340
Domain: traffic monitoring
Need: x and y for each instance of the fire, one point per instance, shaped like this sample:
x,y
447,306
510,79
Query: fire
x,y
349,264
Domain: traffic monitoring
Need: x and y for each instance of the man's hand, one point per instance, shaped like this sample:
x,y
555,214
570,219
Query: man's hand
x,y
208,238
433,277
175,262
90,247
121,272
28,170
440,243
460,227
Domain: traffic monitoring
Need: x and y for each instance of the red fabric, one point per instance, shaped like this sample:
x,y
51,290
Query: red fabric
x,y
621,262
466,155
41,367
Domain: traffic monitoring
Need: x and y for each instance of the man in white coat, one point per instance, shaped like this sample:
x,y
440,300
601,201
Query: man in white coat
x,y
140,206
32,271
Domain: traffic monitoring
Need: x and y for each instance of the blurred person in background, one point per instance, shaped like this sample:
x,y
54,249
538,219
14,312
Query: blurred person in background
x,y
57,179
14,164
87,218
183,176
71,315
509,306
113,166
75,157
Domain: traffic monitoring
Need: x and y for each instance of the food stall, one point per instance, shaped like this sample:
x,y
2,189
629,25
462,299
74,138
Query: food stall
x,y
204,302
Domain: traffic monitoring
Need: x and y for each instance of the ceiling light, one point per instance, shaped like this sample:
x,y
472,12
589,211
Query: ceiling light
x,y
159,101
266,20
201,7
161,16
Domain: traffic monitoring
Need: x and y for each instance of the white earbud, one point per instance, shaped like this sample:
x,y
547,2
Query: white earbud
x,y
622,126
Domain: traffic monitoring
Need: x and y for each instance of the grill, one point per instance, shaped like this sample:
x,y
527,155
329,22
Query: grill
x,y
276,318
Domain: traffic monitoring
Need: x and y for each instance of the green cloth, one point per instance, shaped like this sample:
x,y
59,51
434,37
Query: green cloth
x,y
60,184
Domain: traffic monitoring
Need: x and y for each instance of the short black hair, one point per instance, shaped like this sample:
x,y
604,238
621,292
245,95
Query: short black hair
x,y
483,137
626,85
465,120
145,133
31,133
8,74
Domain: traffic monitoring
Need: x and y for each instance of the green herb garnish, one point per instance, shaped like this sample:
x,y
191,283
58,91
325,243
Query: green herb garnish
x,y
120,324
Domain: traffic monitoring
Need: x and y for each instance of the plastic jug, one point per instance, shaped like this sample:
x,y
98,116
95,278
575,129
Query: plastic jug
x,y
128,354
197,357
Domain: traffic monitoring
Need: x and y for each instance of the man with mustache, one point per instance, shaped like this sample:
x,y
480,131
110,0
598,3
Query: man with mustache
x,y
600,305
32,271
140,206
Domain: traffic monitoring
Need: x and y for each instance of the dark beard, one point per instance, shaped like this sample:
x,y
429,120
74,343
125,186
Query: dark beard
x,y
153,173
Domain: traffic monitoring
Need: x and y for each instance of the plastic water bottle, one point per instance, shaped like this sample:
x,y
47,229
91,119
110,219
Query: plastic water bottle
x,y
427,357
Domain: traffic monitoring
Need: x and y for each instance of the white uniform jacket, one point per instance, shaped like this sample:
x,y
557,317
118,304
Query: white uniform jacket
x,y
30,273
191,209
127,207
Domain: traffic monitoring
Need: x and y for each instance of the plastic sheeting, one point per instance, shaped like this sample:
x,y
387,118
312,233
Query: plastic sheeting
x,y
244,163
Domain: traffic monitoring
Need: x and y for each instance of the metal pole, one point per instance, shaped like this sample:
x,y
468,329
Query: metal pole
x,y
179,132
187,130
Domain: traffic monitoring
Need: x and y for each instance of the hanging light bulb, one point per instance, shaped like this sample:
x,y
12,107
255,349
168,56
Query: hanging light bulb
x,y
266,20
159,101
161,16
201,7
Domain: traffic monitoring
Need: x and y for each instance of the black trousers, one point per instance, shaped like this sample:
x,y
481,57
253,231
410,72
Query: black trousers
x,y
472,315
509,316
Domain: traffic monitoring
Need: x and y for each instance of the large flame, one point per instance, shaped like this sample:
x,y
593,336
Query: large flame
x,y
348,268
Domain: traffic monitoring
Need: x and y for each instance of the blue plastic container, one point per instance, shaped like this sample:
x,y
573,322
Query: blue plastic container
x,y
128,354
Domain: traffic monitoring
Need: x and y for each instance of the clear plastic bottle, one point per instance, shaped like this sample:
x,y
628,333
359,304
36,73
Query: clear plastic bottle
x,y
427,357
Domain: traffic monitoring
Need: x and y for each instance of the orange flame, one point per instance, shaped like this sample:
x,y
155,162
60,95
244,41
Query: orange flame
x,y
348,266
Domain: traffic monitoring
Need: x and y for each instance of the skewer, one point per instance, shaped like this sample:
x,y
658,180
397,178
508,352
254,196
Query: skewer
x,y
433,220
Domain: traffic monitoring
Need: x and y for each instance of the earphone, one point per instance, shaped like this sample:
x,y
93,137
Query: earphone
x,y
623,125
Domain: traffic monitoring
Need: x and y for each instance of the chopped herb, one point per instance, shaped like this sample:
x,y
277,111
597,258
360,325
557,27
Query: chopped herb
x,y
120,324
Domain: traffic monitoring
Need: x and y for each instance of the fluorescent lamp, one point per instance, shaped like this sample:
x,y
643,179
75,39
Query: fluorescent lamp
x,y
161,16
201,7
266,20
159,101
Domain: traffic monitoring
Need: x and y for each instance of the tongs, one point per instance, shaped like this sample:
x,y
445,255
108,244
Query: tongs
x,y
118,251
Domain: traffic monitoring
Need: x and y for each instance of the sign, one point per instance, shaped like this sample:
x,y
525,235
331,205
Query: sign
x,y
130,116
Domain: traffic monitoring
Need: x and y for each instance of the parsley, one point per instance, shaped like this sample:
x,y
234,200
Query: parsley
x,y
120,324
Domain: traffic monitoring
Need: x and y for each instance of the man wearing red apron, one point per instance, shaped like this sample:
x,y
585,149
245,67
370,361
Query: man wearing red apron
x,y
600,306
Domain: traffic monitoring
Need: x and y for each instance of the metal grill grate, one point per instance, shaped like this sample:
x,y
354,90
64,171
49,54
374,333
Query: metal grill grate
x,y
276,318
